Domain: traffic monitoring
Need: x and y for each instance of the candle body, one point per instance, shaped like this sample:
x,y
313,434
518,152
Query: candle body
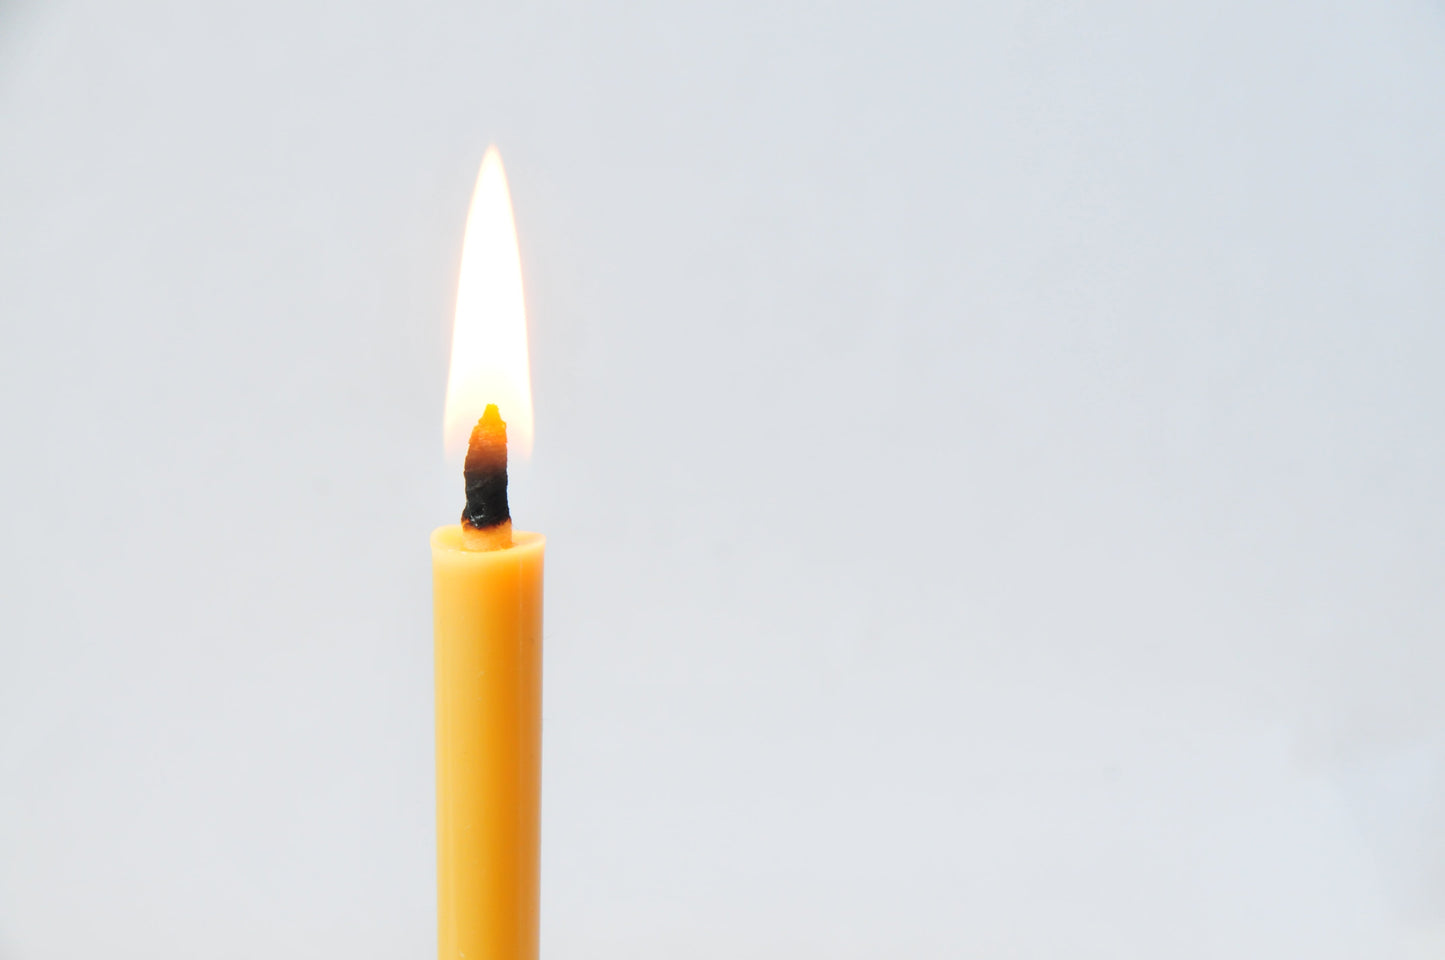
x,y
488,623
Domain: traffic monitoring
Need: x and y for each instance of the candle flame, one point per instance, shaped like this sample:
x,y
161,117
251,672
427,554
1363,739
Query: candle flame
x,y
489,335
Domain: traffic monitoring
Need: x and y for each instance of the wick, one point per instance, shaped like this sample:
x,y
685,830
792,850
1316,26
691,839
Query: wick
x,y
487,519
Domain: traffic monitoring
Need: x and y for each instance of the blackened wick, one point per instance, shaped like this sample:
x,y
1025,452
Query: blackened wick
x,y
486,473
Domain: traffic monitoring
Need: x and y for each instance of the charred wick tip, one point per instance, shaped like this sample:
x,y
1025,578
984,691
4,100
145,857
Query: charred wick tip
x,y
485,472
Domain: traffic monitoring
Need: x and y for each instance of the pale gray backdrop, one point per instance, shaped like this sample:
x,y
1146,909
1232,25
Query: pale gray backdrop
x,y
991,453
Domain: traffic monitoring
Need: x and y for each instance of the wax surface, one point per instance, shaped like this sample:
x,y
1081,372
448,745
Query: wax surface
x,y
488,611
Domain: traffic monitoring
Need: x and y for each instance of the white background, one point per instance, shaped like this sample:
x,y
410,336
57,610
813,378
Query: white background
x,y
991,454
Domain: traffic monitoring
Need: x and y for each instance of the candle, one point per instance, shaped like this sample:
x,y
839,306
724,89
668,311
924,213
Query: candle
x,y
487,601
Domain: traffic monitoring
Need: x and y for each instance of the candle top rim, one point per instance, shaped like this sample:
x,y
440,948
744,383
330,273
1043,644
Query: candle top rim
x,y
448,540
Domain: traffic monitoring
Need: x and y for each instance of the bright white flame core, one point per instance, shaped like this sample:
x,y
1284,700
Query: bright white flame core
x,y
489,336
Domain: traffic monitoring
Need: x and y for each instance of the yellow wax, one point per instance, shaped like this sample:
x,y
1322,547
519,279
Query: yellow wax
x,y
488,608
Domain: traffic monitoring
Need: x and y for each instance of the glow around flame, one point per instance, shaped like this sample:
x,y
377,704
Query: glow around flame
x,y
489,336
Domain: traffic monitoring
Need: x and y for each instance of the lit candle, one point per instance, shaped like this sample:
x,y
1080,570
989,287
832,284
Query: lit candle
x,y
487,594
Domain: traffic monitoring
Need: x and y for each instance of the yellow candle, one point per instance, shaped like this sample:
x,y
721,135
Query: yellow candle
x,y
488,607
487,591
